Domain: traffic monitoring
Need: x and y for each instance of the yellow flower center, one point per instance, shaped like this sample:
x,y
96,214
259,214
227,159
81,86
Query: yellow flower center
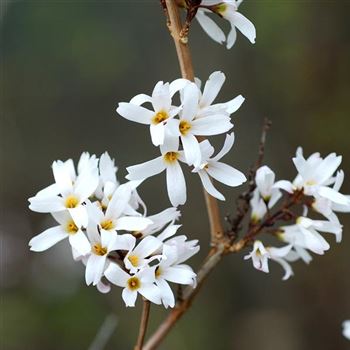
x,y
134,283
159,117
158,272
171,157
220,9
71,227
99,250
184,127
107,225
71,202
134,260
310,183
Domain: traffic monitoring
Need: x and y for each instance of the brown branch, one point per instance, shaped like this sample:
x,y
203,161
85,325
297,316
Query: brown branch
x,y
189,294
185,61
143,324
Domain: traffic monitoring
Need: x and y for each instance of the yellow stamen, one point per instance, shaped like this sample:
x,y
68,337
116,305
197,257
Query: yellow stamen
x,y
158,272
71,202
159,117
171,157
134,283
107,225
184,127
134,259
99,250
71,227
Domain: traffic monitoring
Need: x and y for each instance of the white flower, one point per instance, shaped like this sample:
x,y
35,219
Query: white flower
x,y
211,90
169,161
229,11
66,229
316,175
72,192
211,166
265,180
346,329
101,245
140,255
114,219
191,125
260,256
162,111
142,282
169,270
258,207
304,235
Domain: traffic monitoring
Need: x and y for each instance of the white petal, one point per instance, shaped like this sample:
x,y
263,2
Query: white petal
x,y
79,215
94,269
212,88
147,246
229,141
177,85
211,125
86,184
122,242
284,185
132,223
62,172
210,27
244,25
231,37
129,297
80,243
226,174
46,204
208,185
146,170
166,293
135,113
116,275
176,184
157,134
333,195
103,287
140,99
190,101
47,239
151,293
192,150
179,274
234,104
161,97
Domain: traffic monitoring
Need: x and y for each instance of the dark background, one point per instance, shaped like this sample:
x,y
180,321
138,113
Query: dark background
x,y
64,67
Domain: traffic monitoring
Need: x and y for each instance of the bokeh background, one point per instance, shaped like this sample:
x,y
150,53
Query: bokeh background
x,y
64,67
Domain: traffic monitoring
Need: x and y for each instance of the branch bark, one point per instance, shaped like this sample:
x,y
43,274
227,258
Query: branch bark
x,y
143,324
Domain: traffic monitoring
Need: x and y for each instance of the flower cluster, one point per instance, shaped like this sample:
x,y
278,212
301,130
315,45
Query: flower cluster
x,y
107,232
316,187
174,126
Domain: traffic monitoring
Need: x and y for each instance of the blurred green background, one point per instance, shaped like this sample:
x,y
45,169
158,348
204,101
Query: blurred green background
x,y
64,67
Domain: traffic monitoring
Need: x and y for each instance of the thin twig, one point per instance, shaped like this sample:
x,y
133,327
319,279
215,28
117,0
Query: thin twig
x,y
143,324
244,199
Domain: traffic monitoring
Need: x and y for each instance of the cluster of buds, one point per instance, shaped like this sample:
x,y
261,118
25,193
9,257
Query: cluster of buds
x,y
174,126
316,187
116,242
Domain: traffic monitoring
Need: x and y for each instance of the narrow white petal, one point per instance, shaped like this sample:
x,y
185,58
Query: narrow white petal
x,y
179,274
47,239
228,144
135,113
132,223
226,174
79,215
192,150
244,25
211,125
208,185
46,204
161,97
147,246
167,294
212,88
231,37
210,27
176,184
140,99
157,134
190,101
94,269
146,170
333,195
